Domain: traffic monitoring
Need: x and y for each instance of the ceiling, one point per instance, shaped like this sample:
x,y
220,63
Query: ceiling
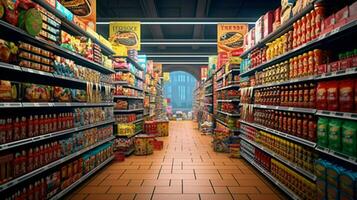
x,y
180,10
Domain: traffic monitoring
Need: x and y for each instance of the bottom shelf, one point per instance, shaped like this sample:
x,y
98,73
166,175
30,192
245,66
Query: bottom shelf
x,y
270,177
82,179
129,152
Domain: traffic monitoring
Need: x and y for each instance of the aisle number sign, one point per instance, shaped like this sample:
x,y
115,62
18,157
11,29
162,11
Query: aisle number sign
x,y
125,36
230,37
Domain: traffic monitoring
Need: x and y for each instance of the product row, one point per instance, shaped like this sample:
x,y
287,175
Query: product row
x,y
334,181
231,122
232,108
123,91
298,154
228,94
27,92
127,118
128,104
300,125
54,182
31,158
337,135
302,187
37,21
128,129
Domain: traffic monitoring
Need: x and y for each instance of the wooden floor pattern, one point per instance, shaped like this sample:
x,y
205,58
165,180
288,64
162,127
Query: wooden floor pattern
x,y
187,168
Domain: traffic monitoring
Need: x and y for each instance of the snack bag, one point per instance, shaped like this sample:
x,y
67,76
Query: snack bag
x,y
346,95
332,95
349,138
322,132
321,96
334,134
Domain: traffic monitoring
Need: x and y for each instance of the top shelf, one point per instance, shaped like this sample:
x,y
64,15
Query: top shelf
x,y
18,34
281,30
74,28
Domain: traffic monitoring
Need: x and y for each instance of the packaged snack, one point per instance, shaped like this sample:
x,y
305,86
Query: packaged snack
x,y
332,95
334,134
62,94
36,92
322,131
347,180
349,138
346,95
321,96
8,91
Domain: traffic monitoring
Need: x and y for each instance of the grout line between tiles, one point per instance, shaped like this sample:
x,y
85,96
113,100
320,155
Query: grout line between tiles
x,y
214,191
181,186
194,173
153,192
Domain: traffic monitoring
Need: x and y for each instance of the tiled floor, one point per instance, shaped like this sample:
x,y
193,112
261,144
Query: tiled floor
x,y
187,168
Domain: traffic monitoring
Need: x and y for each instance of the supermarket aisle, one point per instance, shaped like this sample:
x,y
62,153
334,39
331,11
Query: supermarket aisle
x,y
187,168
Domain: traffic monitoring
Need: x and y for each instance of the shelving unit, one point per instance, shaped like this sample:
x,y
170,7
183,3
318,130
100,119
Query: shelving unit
x,y
259,70
28,108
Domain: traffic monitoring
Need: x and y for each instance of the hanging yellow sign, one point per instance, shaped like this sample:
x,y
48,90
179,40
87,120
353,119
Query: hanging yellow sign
x,y
230,37
125,35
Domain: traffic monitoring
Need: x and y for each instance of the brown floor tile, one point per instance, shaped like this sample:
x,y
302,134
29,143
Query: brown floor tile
x,y
206,171
263,197
176,176
216,197
243,190
197,189
265,189
168,190
162,182
231,182
175,197
94,189
208,176
202,182
143,196
103,197
114,182
135,182
221,190
127,197
131,189
241,197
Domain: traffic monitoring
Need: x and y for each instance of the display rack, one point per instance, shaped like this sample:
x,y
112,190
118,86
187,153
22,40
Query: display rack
x,y
26,107
264,91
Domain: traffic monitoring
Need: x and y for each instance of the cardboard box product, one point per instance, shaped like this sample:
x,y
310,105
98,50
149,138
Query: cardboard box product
x,y
268,23
259,29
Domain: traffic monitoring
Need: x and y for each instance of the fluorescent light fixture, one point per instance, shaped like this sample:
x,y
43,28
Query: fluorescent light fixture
x,y
183,63
183,23
179,43
177,56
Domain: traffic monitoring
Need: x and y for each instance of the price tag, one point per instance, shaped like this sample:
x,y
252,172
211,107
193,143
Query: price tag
x,y
68,104
6,105
335,30
322,36
36,104
51,104
41,72
16,67
30,70
290,108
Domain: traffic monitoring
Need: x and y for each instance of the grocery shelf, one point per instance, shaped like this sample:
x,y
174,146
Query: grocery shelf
x,y
129,136
220,78
47,136
229,114
339,31
133,87
281,30
228,100
334,114
51,165
329,75
65,191
280,185
288,163
73,27
120,82
340,156
224,124
16,33
133,62
345,72
285,108
209,85
128,111
210,94
208,104
5,105
228,87
291,81
126,97
281,134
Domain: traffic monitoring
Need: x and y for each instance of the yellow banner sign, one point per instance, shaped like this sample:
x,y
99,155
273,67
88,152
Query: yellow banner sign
x,y
230,37
125,34
166,76
84,10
